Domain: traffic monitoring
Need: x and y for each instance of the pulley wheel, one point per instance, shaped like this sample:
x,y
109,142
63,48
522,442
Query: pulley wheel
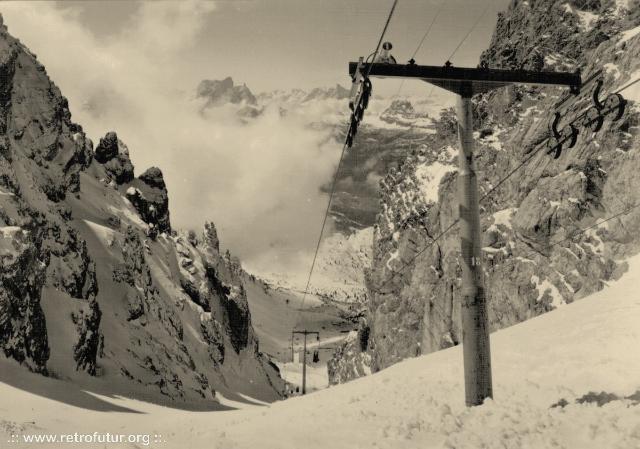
x,y
615,104
569,136
593,120
554,146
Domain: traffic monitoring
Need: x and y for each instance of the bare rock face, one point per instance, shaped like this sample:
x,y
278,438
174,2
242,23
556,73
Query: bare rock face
x,y
114,154
70,268
153,178
136,273
212,334
353,358
35,117
223,278
210,237
43,154
526,38
535,255
566,198
87,348
107,148
148,194
23,329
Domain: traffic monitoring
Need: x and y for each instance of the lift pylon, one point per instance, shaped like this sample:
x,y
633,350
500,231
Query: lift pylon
x,y
466,82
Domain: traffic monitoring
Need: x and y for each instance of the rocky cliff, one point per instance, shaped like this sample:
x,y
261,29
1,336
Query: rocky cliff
x,y
97,288
535,256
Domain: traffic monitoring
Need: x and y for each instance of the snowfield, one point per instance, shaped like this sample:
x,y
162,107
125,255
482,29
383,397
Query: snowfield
x,y
590,346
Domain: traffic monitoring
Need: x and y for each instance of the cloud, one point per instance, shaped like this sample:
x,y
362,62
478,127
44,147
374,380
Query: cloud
x,y
260,183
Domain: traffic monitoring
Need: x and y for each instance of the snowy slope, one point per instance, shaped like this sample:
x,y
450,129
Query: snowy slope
x,y
588,346
338,274
275,312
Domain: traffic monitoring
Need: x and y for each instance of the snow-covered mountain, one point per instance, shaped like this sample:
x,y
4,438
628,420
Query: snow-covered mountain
x,y
98,289
339,273
402,113
219,92
211,94
534,257
566,379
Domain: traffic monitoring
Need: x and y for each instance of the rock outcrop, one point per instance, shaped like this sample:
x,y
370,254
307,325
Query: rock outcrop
x,y
148,194
114,154
23,328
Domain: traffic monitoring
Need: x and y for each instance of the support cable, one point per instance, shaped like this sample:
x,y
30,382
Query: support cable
x,y
627,86
486,8
424,36
572,235
335,177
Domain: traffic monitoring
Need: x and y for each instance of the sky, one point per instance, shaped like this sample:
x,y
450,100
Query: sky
x,y
133,67
275,44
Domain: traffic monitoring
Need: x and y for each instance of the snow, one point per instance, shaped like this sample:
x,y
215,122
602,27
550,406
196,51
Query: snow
x,y
632,92
629,34
317,375
8,232
126,212
493,140
564,281
528,111
491,249
502,217
105,234
8,247
587,20
395,255
250,402
429,176
613,69
339,270
586,346
545,286
598,245
447,154
555,58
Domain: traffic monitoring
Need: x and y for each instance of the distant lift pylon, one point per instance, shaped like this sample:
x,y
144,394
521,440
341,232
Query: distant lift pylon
x,y
465,82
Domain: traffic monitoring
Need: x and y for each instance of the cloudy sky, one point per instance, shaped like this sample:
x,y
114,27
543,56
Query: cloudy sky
x,y
133,67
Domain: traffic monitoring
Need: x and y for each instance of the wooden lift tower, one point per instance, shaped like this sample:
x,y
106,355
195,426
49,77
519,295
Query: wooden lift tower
x,y
465,82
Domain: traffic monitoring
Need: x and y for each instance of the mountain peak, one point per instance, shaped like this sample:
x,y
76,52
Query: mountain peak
x,y
219,92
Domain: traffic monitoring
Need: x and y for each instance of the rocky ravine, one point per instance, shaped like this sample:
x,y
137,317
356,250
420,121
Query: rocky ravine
x,y
97,288
526,271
